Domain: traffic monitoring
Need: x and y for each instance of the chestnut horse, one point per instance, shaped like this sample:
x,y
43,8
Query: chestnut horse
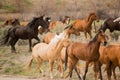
x,y
110,56
50,52
54,24
88,52
85,25
11,21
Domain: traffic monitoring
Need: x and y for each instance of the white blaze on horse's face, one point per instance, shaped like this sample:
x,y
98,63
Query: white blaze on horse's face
x,y
39,27
118,19
49,20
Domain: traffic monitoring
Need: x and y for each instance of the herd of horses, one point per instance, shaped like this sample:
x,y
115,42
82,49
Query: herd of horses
x,y
61,49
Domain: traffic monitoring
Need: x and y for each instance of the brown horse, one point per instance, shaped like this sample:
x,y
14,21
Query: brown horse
x,y
50,52
11,21
88,52
110,24
110,56
61,61
85,25
54,24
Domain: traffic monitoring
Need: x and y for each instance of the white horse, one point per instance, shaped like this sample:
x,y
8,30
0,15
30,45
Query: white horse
x,y
49,52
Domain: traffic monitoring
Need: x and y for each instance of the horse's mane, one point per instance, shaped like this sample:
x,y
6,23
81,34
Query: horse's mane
x,y
94,39
31,23
90,16
54,42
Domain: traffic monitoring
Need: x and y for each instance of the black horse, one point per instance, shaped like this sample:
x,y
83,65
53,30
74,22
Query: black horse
x,y
28,32
111,25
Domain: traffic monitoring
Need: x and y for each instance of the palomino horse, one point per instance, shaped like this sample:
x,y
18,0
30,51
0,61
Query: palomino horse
x,y
11,21
85,25
110,24
29,32
54,24
110,56
88,52
50,52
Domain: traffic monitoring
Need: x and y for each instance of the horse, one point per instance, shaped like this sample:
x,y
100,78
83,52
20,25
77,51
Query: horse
x,y
111,24
61,61
48,37
11,21
41,30
29,32
109,56
54,24
88,52
85,25
117,19
50,52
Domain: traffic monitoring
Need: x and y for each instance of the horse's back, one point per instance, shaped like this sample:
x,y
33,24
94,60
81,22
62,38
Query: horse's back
x,y
78,49
79,24
39,50
113,52
48,37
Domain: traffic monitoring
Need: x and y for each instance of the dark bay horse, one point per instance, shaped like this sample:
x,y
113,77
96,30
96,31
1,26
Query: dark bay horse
x,y
88,52
29,32
111,25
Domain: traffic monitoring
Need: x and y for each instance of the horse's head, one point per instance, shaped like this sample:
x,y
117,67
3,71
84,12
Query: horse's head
x,y
39,23
15,22
48,19
101,37
72,30
66,20
94,17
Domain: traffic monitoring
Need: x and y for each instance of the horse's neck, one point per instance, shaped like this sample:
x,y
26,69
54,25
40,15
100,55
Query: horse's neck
x,y
94,46
59,46
90,21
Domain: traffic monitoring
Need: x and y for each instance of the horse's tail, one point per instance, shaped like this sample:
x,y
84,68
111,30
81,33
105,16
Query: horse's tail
x,y
66,57
5,38
30,63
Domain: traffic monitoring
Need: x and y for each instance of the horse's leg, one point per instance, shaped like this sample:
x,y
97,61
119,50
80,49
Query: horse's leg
x,y
78,73
39,62
114,74
95,68
12,43
70,69
85,34
86,70
51,68
109,72
99,66
37,40
61,68
30,44
89,32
